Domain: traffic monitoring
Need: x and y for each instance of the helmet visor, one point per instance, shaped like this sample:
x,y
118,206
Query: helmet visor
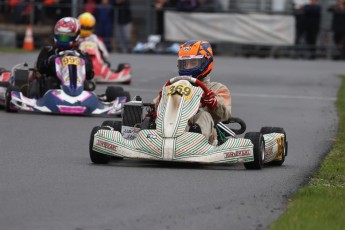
x,y
64,38
86,27
190,62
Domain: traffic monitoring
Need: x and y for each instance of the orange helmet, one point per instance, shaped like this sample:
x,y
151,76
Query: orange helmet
x,y
87,24
195,58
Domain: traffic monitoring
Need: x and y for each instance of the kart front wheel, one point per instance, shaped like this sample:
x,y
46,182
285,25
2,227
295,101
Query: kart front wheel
x,y
96,157
8,98
117,126
258,150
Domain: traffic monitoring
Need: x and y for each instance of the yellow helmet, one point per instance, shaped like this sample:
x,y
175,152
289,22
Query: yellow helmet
x,y
87,24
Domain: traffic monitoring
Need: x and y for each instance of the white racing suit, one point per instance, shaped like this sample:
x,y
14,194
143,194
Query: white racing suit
x,y
206,118
101,46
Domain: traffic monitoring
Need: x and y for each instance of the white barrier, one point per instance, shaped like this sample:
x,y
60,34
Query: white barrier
x,y
257,29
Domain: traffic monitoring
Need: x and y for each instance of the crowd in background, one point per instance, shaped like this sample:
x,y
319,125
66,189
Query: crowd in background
x,y
338,27
48,11
308,15
114,18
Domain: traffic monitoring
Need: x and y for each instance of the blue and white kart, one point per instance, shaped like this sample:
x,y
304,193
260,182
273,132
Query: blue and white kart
x,y
164,136
71,98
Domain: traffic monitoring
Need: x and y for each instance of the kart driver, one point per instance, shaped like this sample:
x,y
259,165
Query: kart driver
x,y
66,35
87,25
195,58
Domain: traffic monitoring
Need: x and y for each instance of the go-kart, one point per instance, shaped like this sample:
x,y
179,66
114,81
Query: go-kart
x,y
103,73
72,95
165,138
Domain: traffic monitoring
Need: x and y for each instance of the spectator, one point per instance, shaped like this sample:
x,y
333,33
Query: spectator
x,y
90,6
299,24
49,7
187,5
338,27
123,25
104,16
312,17
63,8
299,19
19,10
159,5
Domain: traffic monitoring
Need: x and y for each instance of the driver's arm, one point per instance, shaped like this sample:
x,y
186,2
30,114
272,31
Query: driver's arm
x,y
222,111
42,64
88,65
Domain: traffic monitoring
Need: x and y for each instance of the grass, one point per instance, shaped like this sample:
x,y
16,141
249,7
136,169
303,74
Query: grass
x,y
321,203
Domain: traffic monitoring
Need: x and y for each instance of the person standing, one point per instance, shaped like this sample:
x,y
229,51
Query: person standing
x,y
90,6
312,17
299,19
104,16
159,5
123,25
338,27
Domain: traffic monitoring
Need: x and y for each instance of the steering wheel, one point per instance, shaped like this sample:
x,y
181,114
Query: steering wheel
x,y
192,80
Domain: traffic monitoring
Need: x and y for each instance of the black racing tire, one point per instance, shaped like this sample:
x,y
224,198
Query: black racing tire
x,y
8,99
89,85
116,125
112,92
259,150
239,121
121,66
125,94
96,157
267,130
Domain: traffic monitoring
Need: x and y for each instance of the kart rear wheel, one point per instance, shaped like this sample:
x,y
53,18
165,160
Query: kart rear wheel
x,y
126,94
258,149
121,66
96,157
112,92
267,130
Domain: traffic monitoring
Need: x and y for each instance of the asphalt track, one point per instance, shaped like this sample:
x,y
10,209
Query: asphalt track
x,y
48,182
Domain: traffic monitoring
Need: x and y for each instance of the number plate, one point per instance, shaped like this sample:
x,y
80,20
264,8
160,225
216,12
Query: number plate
x,y
183,90
70,60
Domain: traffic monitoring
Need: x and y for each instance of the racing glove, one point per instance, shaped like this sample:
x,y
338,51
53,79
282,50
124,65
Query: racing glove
x,y
209,100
